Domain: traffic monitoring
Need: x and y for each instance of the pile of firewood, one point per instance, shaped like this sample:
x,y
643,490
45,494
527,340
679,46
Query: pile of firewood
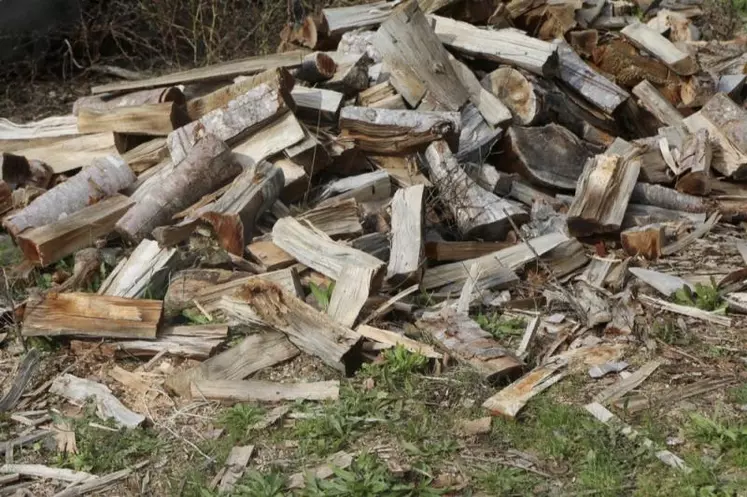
x,y
392,148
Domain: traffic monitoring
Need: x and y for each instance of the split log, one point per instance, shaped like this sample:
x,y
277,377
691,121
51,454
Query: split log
x,y
233,216
695,165
654,102
313,104
17,171
264,391
654,168
645,241
417,61
49,127
242,116
310,153
477,138
152,119
146,155
375,244
595,88
603,194
478,213
649,40
279,135
340,20
362,188
549,156
351,76
103,178
494,266
145,97
514,90
192,341
406,258
509,401
491,180
697,90
318,253
54,241
460,251
376,95
207,167
396,131
386,337
270,256
254,353
311,331
507,46
359,42
351,293
666,284
225,70
495,113
108,406
466,341
316,67
338,219
146,269
278,78
85,314
69,153
296,183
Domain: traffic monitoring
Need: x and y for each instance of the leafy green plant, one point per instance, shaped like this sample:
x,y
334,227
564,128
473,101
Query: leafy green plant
x,y
238,418
705,297
718,433
502,328
322,295
257,484
396,367
194,316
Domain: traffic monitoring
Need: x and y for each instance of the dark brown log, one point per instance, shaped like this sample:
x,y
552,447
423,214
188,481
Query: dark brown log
x,y
18,171
6,197
316,67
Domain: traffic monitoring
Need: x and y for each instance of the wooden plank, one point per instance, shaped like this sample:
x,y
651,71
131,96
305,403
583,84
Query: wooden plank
x,y
86,314
619,389
235,464
52,242
411,51
478,213
264,391
150,119
654,102
654,43
340,20
393,339
266,304
41,471
350,295
225,70
406,256
144,97
49,127
108,406
389,131
254,353
507,46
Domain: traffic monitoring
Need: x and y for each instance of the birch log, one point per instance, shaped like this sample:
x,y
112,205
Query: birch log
x,y
478,212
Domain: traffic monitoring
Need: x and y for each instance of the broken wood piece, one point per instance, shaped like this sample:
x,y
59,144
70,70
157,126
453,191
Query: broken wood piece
x,y
654,102
697,90
393,339
79,390
478,213
443,251
411,50
52,242
209,297
317,252
105,177
146,269
477,137
507,46
41,471
406,256
700,231
388,131
495,113
239,118
351,76
339,218
190,341
651,41
255,352
645,241
350,294
340,20
509,401
99,482
208,166
365,187
603,193
338,461
695,164
149,119
317,103
86,314
465,340
666,284
144,97
684,310
26,369
270,255
623,386
264,391
234,467
263,303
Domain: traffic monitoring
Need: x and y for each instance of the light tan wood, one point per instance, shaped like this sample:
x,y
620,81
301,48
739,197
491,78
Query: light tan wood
x,y
264,391
654,102
144,97
492,109
393,339
191,341
52,242
695,164
406,257
697,90
270,255
350,294
340,20
313,104
86,314
648,39
146,155
514,90
509,401
279,135
337,218
151,119
146,269
234,467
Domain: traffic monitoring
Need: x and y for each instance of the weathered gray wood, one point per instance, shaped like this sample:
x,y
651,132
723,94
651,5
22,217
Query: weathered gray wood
x,y
406,258
477,138
393,339
190,341
648,39
352,74
108,406
318,253
603,193
365,187
654,102
266,304
243,115
146,269
667,284
495,112
508,46
315,103
26,369
342,19
517,92
417,62
311,153
721,118
397,131
254,353
234,467
667,198
695,164
548,155
281,134
336,219
350,294
478,213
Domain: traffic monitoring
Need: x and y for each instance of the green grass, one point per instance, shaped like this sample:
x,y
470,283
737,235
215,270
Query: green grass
x,y
503,329
738,395
322,295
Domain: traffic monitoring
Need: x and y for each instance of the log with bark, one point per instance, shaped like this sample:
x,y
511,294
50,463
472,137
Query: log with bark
x,y
208,166
52,242
315,68
85,314
478,213
387,131
105,177
406,257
